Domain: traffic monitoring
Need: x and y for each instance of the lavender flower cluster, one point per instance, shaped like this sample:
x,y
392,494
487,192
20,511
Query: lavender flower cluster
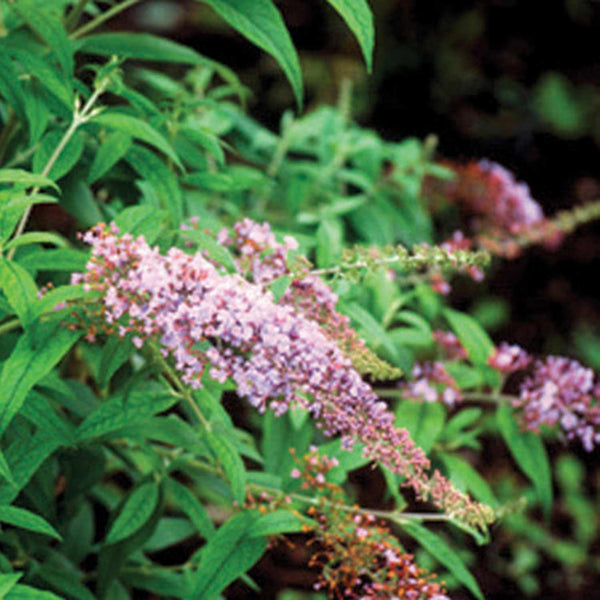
x,y
229,327
556,392
562,391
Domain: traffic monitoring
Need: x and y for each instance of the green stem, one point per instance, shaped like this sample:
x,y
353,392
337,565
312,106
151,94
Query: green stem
x,y
22,156
280,151
79,117
345,99
97,21
494,397
75,14
394,516
10,325
179,387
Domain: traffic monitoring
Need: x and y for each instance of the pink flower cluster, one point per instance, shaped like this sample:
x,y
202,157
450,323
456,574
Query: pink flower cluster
x,y
449,344
432,383
509,358
562,391
557,390
229,327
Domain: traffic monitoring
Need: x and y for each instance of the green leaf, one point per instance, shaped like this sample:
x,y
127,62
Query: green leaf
x,y
442,551
261,23
115,353
12,210
24,457
5,470
359,18
206,140
233,179
472,336
10,86
111,150
19,517
138,129
40,412
112,558
65,581
26,178
160,177
34,356
423,420
560,105
161,583
141,220
231,463
144,46
376,336
280,286
47,24
37,111
330,241
276,523
227,556
466,478
209,244
8,581
124,411
20,290
63,259
45,73
65,293
192,507
37,237
137,509
68,157
529,453
79,200
25,592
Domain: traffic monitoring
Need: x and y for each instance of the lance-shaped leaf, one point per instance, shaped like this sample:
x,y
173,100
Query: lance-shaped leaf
x,y
20,290
231,463
45,20
227,556
529,453
439,548
192,507
26,178
138,129
144,46
8,581
359,18
261,23
137,509
36,353
19,517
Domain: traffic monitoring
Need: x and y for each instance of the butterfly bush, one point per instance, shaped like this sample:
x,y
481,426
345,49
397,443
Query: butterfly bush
x,y
553,391
228,326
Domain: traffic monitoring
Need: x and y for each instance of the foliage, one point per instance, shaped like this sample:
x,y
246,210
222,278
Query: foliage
x,y
123,373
